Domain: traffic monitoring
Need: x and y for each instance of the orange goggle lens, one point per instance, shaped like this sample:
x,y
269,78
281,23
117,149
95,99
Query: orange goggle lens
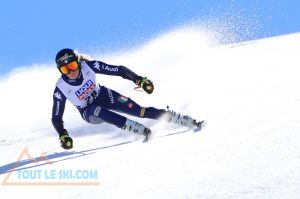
x,y
72,66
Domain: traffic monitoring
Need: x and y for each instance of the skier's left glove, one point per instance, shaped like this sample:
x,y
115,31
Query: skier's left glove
x,y
146,84
84,57
66,141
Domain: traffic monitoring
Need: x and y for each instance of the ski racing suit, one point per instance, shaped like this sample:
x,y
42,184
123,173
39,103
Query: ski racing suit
x,y
96,103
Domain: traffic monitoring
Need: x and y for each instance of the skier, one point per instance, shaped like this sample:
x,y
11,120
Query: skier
x,y
97,103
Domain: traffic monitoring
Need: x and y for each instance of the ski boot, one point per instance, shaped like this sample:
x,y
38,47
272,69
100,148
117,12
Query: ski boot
x,y
184,120
135,127
199,125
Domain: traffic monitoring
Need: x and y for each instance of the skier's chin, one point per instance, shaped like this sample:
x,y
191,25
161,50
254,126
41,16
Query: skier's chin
x,y
73,74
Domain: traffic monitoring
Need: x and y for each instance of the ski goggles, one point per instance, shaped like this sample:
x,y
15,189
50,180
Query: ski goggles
x,y
65,69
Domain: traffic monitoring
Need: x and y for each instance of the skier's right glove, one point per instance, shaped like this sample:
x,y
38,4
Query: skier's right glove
x,y
66,141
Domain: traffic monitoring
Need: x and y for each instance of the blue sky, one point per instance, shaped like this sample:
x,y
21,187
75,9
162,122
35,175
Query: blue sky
x,y
32,31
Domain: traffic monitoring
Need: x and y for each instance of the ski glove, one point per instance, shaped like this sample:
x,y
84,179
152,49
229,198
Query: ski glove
x,y
146,84
66,141
84,57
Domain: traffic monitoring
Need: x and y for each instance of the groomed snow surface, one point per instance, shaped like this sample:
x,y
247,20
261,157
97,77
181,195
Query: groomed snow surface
x,y
249,93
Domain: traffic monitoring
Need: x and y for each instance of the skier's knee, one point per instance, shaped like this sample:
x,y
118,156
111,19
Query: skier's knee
x,y
92,115
94,120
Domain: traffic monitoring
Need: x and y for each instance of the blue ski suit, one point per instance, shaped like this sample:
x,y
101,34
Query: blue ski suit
x,y
97,103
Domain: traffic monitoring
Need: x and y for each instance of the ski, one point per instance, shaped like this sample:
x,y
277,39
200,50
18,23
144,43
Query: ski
x,y
198,127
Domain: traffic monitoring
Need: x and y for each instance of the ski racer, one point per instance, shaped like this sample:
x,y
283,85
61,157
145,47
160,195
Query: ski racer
x,y
97,103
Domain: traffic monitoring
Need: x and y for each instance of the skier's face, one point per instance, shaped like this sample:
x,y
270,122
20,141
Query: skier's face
x,y
71,70
73,74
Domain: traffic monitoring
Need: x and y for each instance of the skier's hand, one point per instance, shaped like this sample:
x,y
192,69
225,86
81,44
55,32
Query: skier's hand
x,y
84,57
66,141
146,84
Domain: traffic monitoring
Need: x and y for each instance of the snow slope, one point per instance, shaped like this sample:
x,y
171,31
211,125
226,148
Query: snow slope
x,y
248,92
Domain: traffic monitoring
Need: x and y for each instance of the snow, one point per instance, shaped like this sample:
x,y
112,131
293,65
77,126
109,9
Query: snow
x,y
248,92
